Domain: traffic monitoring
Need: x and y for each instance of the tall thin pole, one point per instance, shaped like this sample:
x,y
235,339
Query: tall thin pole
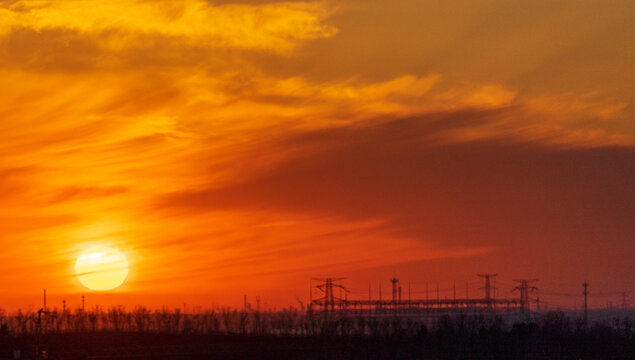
x,y
370,299
586,293
438,298
427,297
455,291
310,297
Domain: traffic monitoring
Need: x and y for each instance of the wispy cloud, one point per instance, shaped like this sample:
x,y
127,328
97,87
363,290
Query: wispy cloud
x,y
118,24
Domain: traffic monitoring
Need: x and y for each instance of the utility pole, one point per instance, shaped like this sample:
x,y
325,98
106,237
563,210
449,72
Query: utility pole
x,y
329,294
427,297
44,300
395,284
585,285
370,301
38,341
454,288
488,289
438,298
524,288
310,299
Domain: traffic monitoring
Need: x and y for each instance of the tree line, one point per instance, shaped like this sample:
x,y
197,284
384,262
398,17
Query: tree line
x,y
550,335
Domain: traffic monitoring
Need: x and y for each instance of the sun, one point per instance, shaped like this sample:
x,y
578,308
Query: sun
x,y
101,268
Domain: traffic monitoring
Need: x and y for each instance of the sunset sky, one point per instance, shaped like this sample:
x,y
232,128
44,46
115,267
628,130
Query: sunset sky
x,y
232,148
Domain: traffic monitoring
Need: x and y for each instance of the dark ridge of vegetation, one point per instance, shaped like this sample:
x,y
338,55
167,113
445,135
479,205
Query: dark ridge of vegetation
x,y
291,334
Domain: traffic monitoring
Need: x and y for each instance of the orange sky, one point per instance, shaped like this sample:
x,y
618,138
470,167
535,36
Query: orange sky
x,y
243,148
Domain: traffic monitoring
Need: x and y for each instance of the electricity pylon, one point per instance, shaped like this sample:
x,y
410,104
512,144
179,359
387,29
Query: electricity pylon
x,y
525,289
488,289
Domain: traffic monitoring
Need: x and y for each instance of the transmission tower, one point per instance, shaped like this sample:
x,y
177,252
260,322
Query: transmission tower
x,y
524,288
488,288
328,300
395,286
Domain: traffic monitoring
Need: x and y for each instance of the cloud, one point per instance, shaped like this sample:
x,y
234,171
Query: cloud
x,y
88,192
118,24
451,194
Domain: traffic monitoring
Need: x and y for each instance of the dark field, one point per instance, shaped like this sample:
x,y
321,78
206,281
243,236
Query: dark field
x,y
551,337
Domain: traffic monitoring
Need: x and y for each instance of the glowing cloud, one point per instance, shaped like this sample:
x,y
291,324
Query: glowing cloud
x,y
121,23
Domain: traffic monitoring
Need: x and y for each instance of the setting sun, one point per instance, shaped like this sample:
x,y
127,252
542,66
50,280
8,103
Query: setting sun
x,y
101,268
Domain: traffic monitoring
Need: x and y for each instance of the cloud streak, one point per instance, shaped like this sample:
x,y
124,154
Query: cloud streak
x,y
403,168
121,23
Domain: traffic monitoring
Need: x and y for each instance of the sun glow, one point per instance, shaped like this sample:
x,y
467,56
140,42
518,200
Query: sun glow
x,y
101,268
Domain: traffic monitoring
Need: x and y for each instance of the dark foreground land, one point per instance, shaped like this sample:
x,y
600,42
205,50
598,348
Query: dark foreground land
x,y
551,338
